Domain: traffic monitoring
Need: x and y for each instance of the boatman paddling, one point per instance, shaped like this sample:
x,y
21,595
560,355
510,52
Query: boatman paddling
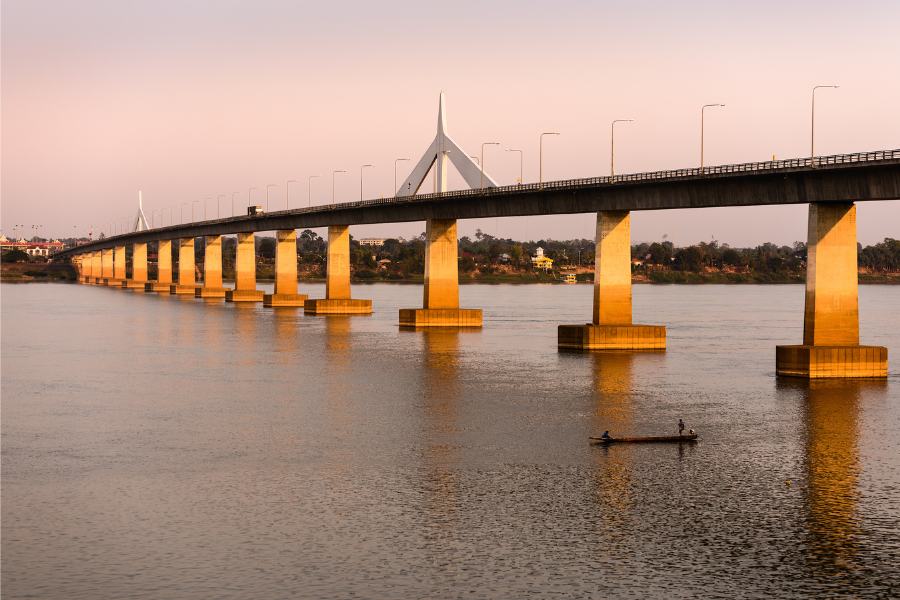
x,y
680,426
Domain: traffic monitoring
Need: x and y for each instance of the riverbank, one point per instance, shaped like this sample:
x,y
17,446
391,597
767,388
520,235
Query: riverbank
x,y
37,272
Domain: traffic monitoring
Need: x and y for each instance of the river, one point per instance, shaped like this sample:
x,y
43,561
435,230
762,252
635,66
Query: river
x,y
163,447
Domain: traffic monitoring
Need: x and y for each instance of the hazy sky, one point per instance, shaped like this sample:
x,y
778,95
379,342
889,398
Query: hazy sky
x,y
190,99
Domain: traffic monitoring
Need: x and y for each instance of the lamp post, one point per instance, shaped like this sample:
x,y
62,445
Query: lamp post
x,y
309,189
233,194
702,115
287,193
397,160
482,159
812,128
249,198
183,204
219,205
541,156
193,202
204,207
521,161
612,144
268,187
361,179
333,173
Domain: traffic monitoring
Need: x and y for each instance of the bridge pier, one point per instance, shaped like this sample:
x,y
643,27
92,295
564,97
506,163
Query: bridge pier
x,y
106,266
830,346
96,268
138,268
285,272
244,271
163,268
337,299
118,277
441,293
187,277
212,269
612,327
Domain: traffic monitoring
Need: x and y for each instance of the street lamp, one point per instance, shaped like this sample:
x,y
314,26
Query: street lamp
x,y
521,161
183,204
193,202
287,193
233,194
219,205
396,160
204,207
309,189
249,198
361,179
333,173
812,129
702,113
268,187
612,144
482,159
541,156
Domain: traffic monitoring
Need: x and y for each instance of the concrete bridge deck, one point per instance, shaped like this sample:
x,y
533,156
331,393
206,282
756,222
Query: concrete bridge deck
x,y
858,177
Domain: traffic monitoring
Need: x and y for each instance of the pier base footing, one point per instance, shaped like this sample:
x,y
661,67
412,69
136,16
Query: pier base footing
x,y
209,292
611,337
338,307
243,296
815,362
157,286
284,300
131,284
441,317
183,290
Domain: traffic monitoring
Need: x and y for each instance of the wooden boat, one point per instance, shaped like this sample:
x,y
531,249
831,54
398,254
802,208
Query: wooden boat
x,y
647,439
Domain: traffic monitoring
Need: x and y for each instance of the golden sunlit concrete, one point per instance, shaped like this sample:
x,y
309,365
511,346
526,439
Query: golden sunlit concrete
x,y
106,266
96,268
163,268
212,269
245,271
187,270
138,279
285,272
831,318
612,327
441,293
337,279
118,278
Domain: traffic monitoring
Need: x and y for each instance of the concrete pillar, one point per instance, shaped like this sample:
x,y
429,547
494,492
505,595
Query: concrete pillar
x,y
138,279
611,327
245,271
97,267
441,293
84,270
830,346
187,279
285,272
337,279
163,268
106,265
212,269
118,266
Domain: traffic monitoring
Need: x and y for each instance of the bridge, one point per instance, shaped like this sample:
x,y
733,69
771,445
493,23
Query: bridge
x,y
830,185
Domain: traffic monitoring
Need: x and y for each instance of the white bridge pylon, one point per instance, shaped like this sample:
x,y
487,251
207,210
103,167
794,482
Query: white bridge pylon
x,y
442,148
140,221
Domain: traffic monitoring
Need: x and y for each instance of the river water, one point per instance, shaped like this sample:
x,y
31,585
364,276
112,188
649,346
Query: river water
x,y
162,447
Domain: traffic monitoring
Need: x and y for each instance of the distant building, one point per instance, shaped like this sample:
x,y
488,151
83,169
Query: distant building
x,y
539,261
31,248
371,242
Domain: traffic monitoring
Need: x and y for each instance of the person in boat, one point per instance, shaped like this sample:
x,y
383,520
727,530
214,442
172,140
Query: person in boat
x,y
605,435
680,426
691,432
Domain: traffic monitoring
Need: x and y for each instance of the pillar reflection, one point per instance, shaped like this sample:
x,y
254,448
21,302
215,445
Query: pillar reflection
x,y
285,334
612,410
441,397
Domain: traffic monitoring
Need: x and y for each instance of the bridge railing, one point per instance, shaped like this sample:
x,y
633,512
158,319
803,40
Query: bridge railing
x,y
771,165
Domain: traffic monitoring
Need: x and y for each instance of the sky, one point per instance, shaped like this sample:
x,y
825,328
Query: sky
x,y
195,102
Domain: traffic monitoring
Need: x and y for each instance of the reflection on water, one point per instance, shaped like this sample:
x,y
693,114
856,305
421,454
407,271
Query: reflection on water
x,y
440,407
260,453
833,469
612,379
